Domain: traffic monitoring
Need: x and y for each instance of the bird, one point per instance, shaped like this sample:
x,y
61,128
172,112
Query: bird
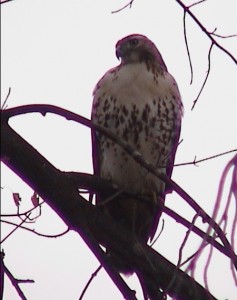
x,y
140,103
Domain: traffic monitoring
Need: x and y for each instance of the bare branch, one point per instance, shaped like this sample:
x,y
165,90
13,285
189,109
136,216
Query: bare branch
x,y
195,162
34,231
233,191
196,3
213,41
205,277
43,109
91,222
191,266
122,8
93,275
209,239
17,226
94,183
205,80
190,229
187,48
24,213
224,36
4,105
15,282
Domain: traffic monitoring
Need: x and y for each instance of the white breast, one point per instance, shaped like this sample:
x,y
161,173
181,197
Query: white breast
x,y
127,87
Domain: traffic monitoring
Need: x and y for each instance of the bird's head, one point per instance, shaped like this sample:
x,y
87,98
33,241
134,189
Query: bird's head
x,y
138,48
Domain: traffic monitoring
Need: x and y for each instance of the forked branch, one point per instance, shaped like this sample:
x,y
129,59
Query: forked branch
x,y
91,223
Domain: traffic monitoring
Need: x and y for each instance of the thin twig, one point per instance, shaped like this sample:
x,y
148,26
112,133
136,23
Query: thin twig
x,y
15,282
223,36
205,277
214,215
35,232
24,213
233,230
207,75
10,233
122,8
4,105
209,239
190,229
187,48
159,234
93,275
196,3
213,41
194,254
195,162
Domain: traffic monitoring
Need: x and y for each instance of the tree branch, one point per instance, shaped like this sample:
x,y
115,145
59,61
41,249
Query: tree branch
x,y
95,184
129,4
91,223
43,109
5,1
44,178
33,231
206,77
15,282
2,254
195,161
207,33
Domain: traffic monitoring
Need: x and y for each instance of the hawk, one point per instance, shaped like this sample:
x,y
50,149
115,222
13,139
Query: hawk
x,y
140,103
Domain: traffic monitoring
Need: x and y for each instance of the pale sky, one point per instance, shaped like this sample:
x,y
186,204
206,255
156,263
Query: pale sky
x,y
54,52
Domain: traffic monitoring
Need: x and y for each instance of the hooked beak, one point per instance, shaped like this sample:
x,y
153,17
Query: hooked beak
x,y
118,53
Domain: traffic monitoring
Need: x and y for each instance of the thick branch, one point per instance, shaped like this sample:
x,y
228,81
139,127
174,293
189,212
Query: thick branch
x,y
62,195
59,193
94,184
43,109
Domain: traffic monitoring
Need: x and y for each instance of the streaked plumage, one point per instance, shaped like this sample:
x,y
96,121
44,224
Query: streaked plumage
x,y
140,102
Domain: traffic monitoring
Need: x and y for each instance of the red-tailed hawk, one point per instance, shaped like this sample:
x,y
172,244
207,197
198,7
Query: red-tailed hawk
x,y
139,101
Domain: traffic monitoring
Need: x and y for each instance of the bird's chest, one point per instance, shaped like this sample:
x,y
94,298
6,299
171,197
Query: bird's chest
x,y
138,106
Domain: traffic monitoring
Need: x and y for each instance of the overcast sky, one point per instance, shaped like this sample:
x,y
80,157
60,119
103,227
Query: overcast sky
x,y
54,52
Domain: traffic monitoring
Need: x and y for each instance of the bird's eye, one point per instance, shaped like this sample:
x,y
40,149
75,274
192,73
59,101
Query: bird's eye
x,y
133,42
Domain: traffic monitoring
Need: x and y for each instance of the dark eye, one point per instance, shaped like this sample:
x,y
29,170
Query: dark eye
x,y
133,42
